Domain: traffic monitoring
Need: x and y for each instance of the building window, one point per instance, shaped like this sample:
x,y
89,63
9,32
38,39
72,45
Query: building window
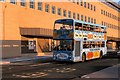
x,y
101,11
81,2
47,8
73,15
64,13
107,24
2,0
78,2
78,16
22,3
104,12
89,19
84,4
32,4
94,8
13,1
85,19
88,6
102,23
94,21
73,1
81,17
91,6
110,15
53,9
59,11
39,5
110,26
69,14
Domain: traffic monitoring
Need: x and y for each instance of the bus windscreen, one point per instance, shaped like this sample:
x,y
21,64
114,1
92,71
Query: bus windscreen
x,y
63,24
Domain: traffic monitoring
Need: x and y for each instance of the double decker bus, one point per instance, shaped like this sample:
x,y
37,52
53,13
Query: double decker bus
x,y
75,40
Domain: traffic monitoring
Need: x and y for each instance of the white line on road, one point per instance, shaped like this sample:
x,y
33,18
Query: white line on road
x,y
85,76
40,64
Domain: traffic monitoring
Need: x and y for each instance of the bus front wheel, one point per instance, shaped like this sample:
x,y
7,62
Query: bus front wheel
x,y
83,57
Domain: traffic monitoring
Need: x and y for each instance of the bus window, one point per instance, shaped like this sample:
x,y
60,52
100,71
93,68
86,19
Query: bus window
x,y
91,28
85,44
61,24
96,29
92,45
66,45
99,44
78,26
85,27
102,29
103,44
96,44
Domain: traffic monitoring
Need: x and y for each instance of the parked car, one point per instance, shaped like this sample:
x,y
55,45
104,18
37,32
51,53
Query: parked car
x,y
118,53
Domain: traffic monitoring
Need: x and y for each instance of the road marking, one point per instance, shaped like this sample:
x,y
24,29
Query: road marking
x,y
40,64
85,76
31,75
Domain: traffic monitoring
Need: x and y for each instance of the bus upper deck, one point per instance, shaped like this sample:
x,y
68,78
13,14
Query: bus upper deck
x,y
75,29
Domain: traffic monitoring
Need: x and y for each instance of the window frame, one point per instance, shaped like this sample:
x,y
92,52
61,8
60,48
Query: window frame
x,y
47,8
74,15
39,5
23,2
13,1
32,4
69,14
53,9
64,13
59,11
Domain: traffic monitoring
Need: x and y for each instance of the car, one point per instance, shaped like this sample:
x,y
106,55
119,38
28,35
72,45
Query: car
x,y
118,53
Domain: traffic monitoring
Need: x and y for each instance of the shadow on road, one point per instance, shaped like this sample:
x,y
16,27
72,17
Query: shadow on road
x,y
112,55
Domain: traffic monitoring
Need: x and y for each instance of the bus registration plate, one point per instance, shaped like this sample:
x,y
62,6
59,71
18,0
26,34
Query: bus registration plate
x,y
62,56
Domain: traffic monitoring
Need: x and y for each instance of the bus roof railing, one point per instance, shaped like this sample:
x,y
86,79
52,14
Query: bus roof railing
x,y
89,23
79,21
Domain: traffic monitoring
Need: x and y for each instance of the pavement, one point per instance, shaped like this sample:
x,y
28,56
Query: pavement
x,y
110,72
26,58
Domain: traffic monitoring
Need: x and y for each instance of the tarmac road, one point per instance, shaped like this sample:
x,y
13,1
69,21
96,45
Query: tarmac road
x,y
56,70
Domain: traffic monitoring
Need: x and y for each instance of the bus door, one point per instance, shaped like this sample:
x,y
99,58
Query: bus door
x,y
77,50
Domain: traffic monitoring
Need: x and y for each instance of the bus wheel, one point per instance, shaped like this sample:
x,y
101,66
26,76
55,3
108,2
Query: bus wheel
x,y
101,54
83,57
